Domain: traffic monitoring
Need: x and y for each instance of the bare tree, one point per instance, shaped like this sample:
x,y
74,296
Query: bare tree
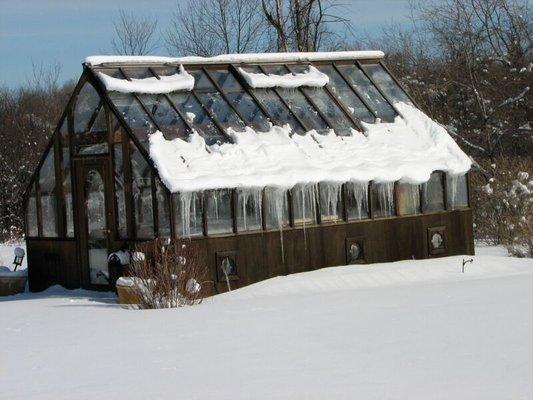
x,y
134,35
305,25
210,27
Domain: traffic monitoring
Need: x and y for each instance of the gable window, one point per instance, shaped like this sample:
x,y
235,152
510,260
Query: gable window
x,y
163,210
47,190
32,228
407,198
382,197
142,195
66,179
90,126
433,193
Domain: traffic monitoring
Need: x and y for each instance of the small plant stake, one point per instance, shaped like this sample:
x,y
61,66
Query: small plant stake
x,y
466,262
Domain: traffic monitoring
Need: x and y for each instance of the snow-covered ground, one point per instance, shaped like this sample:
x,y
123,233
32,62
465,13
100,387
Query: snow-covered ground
x,y
411,329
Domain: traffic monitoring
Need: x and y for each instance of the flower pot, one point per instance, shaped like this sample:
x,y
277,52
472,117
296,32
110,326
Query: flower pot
x,y
10,285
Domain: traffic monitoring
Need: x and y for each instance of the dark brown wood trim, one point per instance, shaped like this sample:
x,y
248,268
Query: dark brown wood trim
x,y
60,199
128,191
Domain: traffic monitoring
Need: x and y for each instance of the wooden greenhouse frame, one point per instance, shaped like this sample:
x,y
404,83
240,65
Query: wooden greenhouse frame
x,y
59,247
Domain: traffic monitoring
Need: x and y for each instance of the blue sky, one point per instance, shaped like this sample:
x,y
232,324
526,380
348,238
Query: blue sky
x,y
49,31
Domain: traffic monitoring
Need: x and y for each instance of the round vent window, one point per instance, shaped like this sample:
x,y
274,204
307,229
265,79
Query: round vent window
x,y
437,241
355,252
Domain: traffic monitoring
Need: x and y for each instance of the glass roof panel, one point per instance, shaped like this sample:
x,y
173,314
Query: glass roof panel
x,y
225,79
297,102
277,110
132,112
346,95
166,117
225,115
336,117
196,115
202,81
386,83
240,100
138,73
372,96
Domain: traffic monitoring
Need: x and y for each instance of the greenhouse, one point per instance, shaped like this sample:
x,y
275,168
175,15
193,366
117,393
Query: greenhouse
x,y
274,163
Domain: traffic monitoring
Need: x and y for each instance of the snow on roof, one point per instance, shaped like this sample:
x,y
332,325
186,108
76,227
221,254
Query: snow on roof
x,y
166,84
312,77
409,149
238,58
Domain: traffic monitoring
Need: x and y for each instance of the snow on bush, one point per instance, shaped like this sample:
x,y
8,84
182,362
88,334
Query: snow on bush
x,y
504,207
167,274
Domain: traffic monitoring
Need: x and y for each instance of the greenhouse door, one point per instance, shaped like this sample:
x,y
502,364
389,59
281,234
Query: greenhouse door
x,y
95,218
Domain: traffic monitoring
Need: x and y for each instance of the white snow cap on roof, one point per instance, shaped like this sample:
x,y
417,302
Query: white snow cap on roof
x,y
409,150
166,84
238,58
312,77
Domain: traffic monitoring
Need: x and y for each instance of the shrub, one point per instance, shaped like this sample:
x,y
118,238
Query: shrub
x,y
503,209
168,274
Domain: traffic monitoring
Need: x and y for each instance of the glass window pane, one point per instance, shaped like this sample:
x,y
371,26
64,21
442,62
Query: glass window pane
x,y
276,208
31,214
47,187
218,211
134,115
386,83
346,95
457,191
120,198
330,201
142,195
216,104
163,209
433,193
196,115
304,204
297,102
249,209
358,80
166,117
100,123
87,104
188,210
408,198
356,200
382,199
67,180
137,73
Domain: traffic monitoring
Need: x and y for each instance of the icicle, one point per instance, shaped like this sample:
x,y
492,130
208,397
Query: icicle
x,y
185,204
452,188
329,199
276,201
386,196
361,197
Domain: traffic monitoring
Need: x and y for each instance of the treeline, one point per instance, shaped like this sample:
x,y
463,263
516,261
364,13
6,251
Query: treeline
x,y
467,63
